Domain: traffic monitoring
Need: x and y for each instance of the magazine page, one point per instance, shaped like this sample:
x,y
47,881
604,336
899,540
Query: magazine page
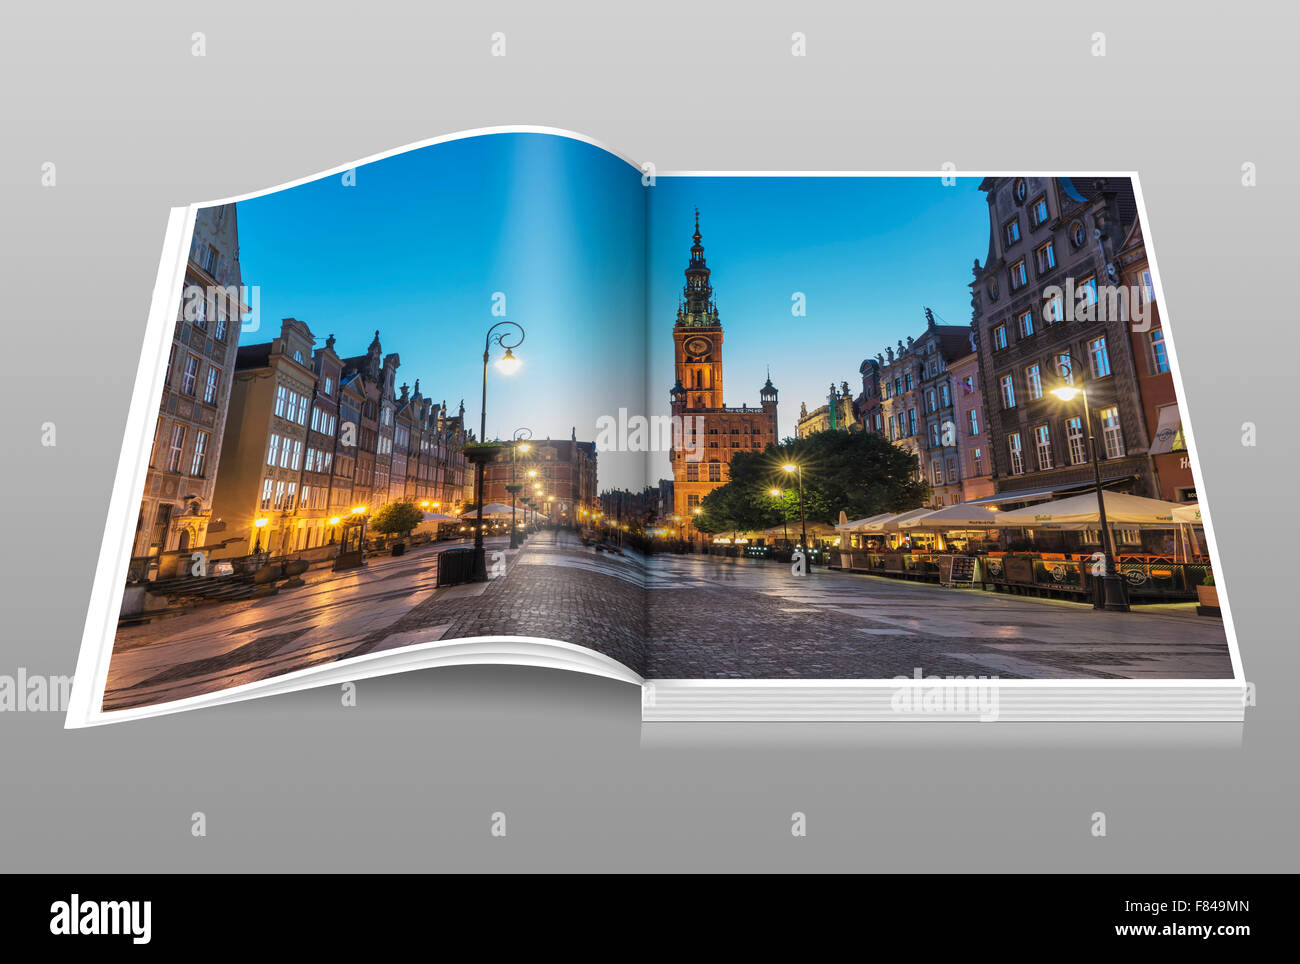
x,y
371,430
939,436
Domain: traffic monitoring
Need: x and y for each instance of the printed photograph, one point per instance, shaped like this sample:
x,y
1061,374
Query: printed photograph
x,y
476,391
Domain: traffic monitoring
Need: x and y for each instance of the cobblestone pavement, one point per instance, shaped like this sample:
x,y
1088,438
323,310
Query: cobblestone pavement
x,y
705,618
552,588
713,617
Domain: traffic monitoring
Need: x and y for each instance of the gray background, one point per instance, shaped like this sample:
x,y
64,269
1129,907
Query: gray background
x,y
408,778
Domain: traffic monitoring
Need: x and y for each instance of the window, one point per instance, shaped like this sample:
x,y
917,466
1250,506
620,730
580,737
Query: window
x,y
907,380
305,501
977,461
999,337
302,410
1043,447
1034,381
171,363
973,422
296,460
1077,235
1017,457
277,503
281,401
209,260
934,435
715,472
1022,190
1011,231
157,434
1046,257
1086,291
898,386
1074,440
1062,368
952,471
329,386
273,450
221,323
1053,310
945,399
1098,357
937,470
931,402
692,471
297,356
893,428
200,460
290,495
1148,289
1111,434
1026,324
176,448
911,421
200,311
266,494
1008,392
1019,275
1038,213
210,389
190,377
1159,356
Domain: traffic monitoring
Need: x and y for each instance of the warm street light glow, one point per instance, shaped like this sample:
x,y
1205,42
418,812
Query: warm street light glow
x,y
508,364
358,510
532,473
260,523
1066,393
334,521
424,504
698,511
789,467
774,492
525,447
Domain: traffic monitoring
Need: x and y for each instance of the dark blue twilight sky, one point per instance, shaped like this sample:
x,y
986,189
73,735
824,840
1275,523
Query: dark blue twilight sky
x,y
418,247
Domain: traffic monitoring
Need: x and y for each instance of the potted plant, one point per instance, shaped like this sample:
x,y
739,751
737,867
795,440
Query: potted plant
x,y
1207,593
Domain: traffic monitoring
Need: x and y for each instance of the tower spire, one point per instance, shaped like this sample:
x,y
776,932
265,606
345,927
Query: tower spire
x,y
698,292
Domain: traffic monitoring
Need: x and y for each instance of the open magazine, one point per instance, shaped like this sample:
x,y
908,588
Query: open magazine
x,y
466,403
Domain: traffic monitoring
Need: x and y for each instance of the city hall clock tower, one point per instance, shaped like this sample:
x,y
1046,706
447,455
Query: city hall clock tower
x,y
697,335
711,432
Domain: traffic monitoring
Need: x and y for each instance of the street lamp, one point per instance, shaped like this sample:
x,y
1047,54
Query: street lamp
x,y
334,529
1114,593
260,524
785,525
360,512
521,445
507,364
803,523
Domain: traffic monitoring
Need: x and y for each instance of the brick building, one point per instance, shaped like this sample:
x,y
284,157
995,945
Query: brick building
x,y
697,399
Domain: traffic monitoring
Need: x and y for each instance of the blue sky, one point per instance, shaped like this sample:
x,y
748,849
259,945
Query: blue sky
x,y
419,246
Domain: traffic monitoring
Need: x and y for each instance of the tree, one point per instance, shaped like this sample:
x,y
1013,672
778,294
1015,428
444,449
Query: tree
x,y
396,518
859,473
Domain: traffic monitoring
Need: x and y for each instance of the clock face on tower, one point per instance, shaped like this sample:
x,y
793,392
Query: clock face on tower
x,y
698,346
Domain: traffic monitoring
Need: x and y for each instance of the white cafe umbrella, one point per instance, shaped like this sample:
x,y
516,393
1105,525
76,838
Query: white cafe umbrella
x,y
955,517
1080,512
857,525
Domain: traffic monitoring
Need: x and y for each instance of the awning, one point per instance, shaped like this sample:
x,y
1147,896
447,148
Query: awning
x,y
858,525
951,517
1065,488
1081,512
1169,433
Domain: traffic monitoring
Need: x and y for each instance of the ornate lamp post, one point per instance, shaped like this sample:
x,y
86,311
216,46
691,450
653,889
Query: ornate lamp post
x,y
1114,597
521,445
260,524
507,364
803,522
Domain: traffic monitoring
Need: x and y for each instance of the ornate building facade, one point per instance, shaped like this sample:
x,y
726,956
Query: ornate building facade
x,y
176,508
711,431
1043,299
837,414
558,477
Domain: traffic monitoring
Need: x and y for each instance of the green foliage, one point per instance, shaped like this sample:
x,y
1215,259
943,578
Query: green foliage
x,y
860,473
396,517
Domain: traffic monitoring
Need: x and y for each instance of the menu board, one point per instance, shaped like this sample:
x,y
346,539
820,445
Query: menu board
x,y
957,570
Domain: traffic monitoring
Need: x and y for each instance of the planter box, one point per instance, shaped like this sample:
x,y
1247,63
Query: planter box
x,y
1208,598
